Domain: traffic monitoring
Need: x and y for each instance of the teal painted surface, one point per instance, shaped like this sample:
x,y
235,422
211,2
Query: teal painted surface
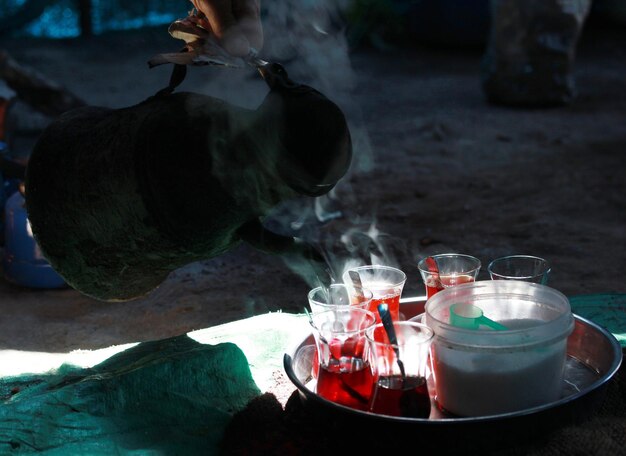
x,y
605,309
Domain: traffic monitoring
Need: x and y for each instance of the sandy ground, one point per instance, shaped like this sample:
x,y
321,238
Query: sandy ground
x,y
436,169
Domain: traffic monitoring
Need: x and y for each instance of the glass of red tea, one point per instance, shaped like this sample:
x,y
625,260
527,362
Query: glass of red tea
x,y
447,270
400,369
337,295
344,374
385,282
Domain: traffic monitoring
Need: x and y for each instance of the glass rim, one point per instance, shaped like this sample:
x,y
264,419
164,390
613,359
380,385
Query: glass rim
x,y
508,257
420,263
369,267
414,324
366,300
547,267
365,312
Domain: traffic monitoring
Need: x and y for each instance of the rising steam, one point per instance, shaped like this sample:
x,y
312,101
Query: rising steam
x,y
309,39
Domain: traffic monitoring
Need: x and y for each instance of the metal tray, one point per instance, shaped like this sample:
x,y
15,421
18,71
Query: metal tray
x,y
594,356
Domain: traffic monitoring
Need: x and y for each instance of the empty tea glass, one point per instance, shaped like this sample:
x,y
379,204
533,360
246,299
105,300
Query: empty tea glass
x,y
526,268
446,270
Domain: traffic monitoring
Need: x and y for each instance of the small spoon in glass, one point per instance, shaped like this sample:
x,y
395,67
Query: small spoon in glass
x,y
385,317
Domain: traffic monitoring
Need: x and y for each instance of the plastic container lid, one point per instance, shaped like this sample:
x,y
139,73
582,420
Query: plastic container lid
x,y
535,315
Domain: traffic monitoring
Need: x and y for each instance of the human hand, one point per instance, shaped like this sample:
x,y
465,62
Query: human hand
x,y
236,23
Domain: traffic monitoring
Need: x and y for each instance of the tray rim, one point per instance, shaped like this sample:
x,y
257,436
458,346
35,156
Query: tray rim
x,y
600,382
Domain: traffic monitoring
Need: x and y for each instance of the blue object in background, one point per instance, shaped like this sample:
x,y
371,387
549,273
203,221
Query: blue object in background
x,y
8,186
23,261
60,19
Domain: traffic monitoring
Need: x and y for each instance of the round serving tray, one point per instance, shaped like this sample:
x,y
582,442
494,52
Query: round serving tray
x,y
594,356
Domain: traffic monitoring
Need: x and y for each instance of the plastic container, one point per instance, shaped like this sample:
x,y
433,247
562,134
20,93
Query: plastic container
x,y
481,372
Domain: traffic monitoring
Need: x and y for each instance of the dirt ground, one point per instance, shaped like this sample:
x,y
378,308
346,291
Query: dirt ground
x,y
436,169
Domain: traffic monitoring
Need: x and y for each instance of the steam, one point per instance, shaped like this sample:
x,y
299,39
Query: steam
x,y
308,37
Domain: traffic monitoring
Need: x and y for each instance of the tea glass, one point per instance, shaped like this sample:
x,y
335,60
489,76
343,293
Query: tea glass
x,y
451,269
344,375
400,369
385,282
338,294
526,268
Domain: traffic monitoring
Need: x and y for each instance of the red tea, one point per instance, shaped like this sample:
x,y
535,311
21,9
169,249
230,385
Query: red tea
x,y
433,285
347,381
393,301
396,396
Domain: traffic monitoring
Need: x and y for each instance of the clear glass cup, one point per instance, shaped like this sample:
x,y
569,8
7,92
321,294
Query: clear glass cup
x,y
344,375
338,294
451,269
526,268
400,369
385,282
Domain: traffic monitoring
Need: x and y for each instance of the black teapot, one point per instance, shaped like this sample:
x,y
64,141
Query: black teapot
x,y
119,198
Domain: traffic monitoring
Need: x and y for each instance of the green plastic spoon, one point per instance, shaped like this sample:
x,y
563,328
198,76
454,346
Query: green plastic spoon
x,y
469,316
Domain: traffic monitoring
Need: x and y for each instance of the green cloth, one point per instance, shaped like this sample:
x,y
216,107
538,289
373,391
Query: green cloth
x,y
606,309
166,397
